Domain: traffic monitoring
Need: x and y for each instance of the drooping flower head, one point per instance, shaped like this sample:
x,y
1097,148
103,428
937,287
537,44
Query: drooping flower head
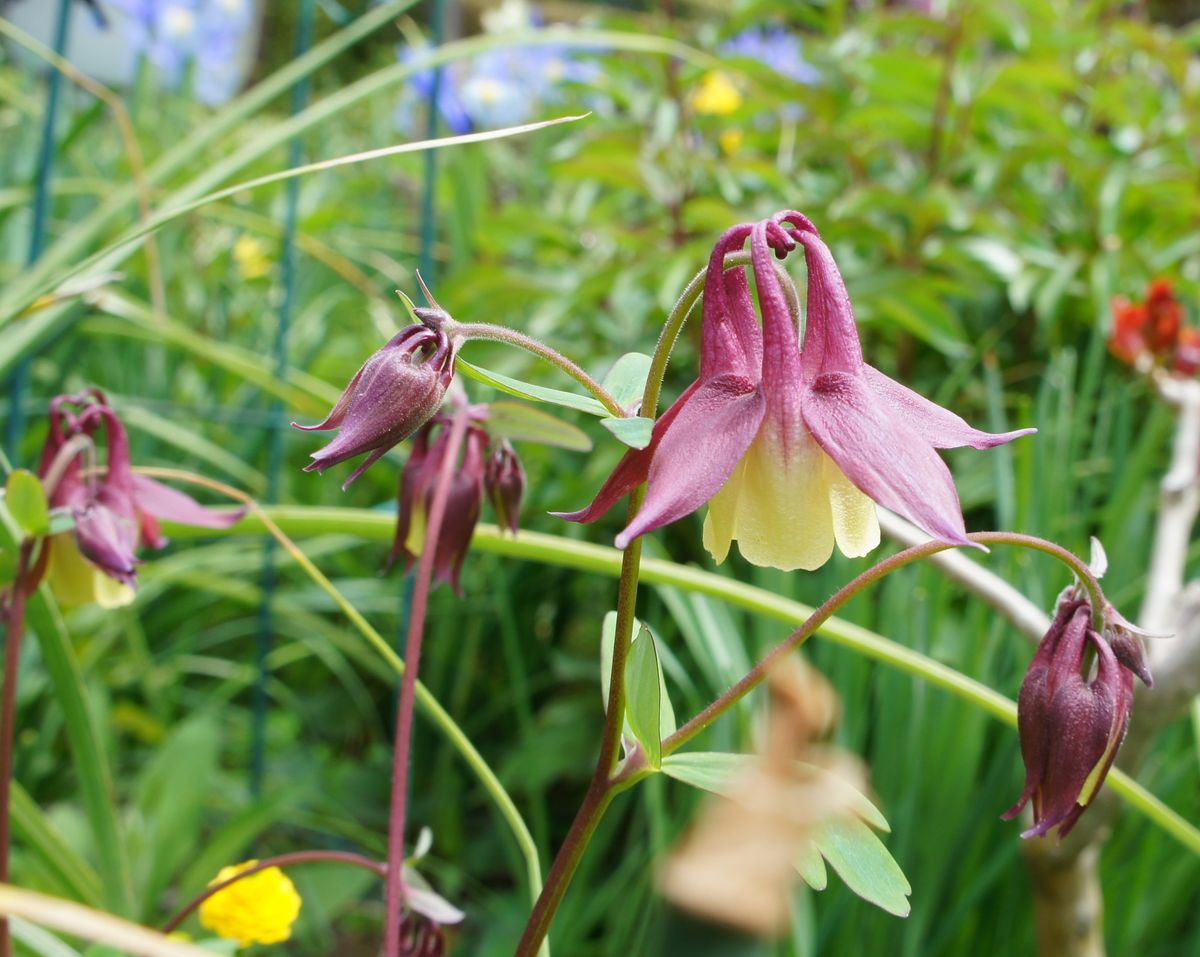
x,y
484,466
791,447
504,479
258,909
391,396
1073,711
114,511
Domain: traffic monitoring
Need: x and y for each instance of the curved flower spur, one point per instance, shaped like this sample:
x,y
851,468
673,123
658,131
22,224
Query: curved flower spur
x,y
791,447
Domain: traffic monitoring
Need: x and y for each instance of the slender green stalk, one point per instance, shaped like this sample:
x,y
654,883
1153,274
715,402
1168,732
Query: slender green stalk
x,y
601,560
425,699
483,330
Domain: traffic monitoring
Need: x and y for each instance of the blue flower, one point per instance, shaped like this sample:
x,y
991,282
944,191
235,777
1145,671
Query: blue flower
x,y
205,33
776,48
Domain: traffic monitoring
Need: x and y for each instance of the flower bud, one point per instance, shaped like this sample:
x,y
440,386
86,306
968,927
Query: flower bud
x,y
1071,724
390,397
504,479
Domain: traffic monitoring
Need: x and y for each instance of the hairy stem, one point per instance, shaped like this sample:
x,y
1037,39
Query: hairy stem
x,y
483,330
281,860
408,687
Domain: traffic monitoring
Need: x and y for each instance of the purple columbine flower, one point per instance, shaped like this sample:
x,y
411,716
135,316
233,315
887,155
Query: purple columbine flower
x,y
114,512
791,448
486,466
504,479
776,48
391,396
418,483
1071,725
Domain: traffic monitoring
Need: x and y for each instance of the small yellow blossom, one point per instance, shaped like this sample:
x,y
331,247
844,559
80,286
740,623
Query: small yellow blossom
x,y
259,909
251,258
731,141
716,94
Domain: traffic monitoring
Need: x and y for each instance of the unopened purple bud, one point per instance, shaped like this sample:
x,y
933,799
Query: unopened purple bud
x,y
504,480
390,397
1070,724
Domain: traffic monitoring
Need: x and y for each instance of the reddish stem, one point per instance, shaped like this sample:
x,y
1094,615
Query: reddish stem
x,y
14,625
281,860
408,688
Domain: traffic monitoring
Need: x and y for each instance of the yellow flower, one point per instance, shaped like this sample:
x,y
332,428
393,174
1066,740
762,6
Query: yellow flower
x,y
716,94
259,909
251,258
731,141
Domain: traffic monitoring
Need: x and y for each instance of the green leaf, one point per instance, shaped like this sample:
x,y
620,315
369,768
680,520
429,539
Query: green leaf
x,y
627,380
514,420
634,431
811,866
716,772
527,390
26,502
862,861
643,695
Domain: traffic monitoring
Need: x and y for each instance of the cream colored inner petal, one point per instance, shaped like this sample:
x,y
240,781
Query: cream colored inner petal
x,y
855,519
720,523
783,517
76,581
787,505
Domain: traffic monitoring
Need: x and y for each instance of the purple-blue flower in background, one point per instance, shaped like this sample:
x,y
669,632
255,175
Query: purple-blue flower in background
x,y
500,87
776,48
206,33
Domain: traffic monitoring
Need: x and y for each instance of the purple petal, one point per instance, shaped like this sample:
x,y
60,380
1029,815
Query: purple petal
x,y
706,440
831,335
940,427
632,470
883,456
162,501
781,369
730,337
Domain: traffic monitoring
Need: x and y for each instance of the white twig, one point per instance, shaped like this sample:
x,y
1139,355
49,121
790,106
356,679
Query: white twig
x,y
1025,616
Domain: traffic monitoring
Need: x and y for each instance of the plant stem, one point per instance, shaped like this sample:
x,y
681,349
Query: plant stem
x,y
14,625
484,330
562,552
281,860
602,790
404,711
438,715
871,576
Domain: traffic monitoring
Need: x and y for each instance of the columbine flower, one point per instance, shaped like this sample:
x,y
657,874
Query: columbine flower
x,y
790,448
113,513
426,913
391,396
259,909
504,479
501,478
1071,725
